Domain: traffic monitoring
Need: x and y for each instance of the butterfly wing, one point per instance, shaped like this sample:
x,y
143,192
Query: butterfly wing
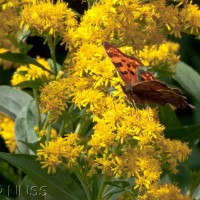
x,y
125,65
159,93
144,75
141,86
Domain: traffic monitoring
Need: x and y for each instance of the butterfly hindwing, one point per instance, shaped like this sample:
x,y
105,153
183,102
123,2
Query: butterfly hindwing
x,y
159,93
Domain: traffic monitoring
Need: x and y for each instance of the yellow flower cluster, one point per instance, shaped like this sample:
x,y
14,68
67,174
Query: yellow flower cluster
x,y
31,73
46,18
7,132
54,98
9,17
61,150
10,21
164,192
132,145
160,56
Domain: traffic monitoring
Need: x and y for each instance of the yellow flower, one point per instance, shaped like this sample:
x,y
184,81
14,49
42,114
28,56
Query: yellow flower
x,y
190,19
148,171
173,152
88,97
161,56
42,133
54,98
7,132
53,152
164,192
32,72
48,18
9,17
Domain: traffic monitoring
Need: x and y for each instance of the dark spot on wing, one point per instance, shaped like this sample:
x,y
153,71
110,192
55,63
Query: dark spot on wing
x,y
118,64
123,60
132,73
128,65
125,72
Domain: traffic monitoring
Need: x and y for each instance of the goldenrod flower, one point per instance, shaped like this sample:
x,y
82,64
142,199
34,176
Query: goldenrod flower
x,y
9,17
164,192
58,150
7,132
190,19
54,98
48,18
24,73
160,56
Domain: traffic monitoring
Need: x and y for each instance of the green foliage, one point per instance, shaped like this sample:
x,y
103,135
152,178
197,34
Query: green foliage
x,y
12,100
22,58
58,185
188,78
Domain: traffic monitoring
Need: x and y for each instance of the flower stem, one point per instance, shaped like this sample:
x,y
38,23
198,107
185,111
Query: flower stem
x,y
37,109
81,179
102,186
47,126
66,116
52,45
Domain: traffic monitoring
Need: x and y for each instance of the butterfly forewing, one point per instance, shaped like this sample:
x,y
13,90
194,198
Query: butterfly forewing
x,y
125,65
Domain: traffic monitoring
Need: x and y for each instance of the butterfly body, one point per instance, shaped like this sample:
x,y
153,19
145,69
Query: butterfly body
x,y
141,86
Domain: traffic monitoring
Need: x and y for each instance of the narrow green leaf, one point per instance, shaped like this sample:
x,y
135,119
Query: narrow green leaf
x,y
25,48
12,100
167,117
59,185
29,84
25,122
22,58
188,78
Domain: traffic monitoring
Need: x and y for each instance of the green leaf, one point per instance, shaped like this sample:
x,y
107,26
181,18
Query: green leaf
x,y
25,122
29,190
34,146
188,78
167,117
22,58
59,185
25,48
12,100
185,133
29,84
50,62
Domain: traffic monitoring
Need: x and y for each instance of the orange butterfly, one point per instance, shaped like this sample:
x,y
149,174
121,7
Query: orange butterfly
x,y
141,86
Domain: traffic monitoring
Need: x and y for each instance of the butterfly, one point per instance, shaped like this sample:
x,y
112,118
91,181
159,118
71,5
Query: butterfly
x,y
141,86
